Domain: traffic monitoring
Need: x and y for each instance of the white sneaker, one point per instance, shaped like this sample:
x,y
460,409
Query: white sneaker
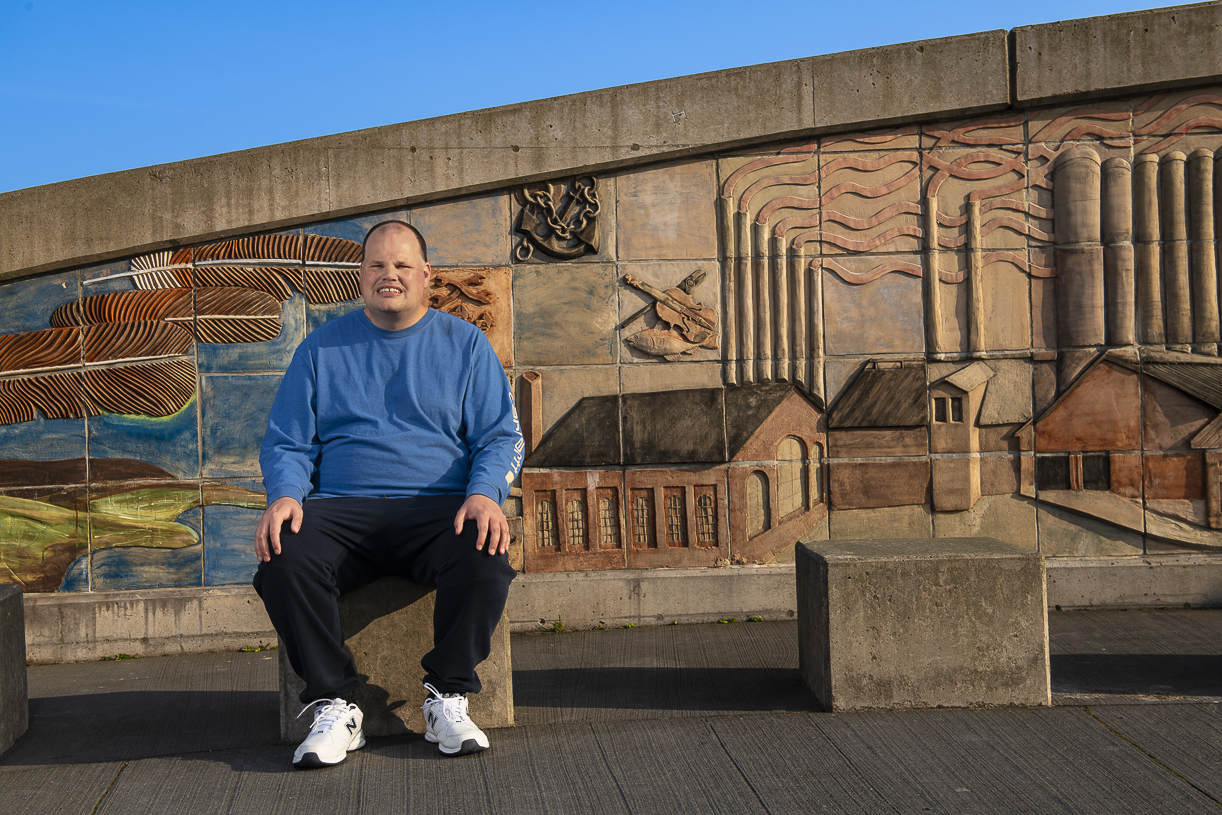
x,y
446,724
336,732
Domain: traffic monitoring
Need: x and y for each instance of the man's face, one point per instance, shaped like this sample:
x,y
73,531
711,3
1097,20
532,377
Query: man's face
x,y
394,279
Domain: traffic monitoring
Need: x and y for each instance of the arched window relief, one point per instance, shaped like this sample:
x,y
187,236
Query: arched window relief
x,y
758,511
608,524
816,467
547,523
676,520
577,523
706,519
642,521
792,490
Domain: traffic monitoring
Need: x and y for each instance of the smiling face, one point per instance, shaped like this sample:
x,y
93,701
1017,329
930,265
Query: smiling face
x,y
394,279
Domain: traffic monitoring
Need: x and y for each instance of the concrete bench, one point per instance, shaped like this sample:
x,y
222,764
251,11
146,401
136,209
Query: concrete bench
x,y
388,627
14,692
947,622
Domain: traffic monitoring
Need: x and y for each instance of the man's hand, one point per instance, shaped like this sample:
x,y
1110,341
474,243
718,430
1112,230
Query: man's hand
x,y
489,518
267,533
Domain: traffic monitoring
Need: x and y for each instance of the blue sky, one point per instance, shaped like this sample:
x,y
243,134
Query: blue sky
x,y
95,87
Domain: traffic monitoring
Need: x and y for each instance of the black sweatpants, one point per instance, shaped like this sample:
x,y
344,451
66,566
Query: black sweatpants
x,y
345,543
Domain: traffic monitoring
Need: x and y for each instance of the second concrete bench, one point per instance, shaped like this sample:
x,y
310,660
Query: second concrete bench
x,y
388,627
947,622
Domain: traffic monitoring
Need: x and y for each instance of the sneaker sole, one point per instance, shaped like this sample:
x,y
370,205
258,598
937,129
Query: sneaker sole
x,y
311,761
468,747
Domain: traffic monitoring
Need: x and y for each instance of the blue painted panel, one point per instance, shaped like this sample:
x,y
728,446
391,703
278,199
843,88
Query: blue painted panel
x,y
28,303
77,578
354,229
234,411
273,355
316,315
43,439
229,545
138,567
106,278
171,443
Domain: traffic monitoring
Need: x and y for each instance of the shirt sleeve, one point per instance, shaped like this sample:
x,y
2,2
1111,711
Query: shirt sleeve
x,y
289,455
493,434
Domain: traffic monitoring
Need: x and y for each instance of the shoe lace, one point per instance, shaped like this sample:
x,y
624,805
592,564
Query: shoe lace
x,y
326,714
452,706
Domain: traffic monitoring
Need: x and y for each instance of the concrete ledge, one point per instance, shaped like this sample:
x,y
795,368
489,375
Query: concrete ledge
x,y
1165,581
1142,50
944,622
651,597
77,627
74,627
14,690
388,627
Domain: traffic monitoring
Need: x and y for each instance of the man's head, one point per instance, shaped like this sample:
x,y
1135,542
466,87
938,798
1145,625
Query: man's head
x,y
395,223
394,275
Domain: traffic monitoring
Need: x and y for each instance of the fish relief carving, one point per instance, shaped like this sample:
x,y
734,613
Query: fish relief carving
x,y
462,294
560,220
684,326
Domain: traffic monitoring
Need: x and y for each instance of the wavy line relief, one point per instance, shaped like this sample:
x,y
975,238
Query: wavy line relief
x,y
870,191
1158,124
966,168
854,141
727,189
1090,122
871,244
869,276
963,133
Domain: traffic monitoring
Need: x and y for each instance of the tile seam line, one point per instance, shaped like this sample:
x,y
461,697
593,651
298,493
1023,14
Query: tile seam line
x,y
109,787
1089,712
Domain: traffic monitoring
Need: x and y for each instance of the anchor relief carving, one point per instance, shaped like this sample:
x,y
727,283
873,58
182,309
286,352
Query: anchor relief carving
x,y
560,220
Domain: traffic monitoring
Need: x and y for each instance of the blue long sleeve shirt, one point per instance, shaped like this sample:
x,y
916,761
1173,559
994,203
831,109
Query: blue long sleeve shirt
x,y
362,411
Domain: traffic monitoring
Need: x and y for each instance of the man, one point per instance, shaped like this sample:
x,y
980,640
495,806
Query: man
x,y
389,450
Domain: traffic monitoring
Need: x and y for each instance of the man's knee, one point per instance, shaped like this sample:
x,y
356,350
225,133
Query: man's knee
x,y
475,565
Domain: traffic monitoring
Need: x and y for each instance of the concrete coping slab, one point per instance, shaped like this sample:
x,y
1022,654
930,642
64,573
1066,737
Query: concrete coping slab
x,y
410,163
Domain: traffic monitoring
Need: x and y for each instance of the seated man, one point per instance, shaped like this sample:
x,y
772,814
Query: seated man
x,y
389,450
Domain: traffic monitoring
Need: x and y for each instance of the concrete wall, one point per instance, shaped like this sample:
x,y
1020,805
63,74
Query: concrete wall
x,y
815,195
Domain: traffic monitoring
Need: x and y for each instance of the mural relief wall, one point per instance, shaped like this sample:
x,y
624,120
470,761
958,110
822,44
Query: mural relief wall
x,y
1006,326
